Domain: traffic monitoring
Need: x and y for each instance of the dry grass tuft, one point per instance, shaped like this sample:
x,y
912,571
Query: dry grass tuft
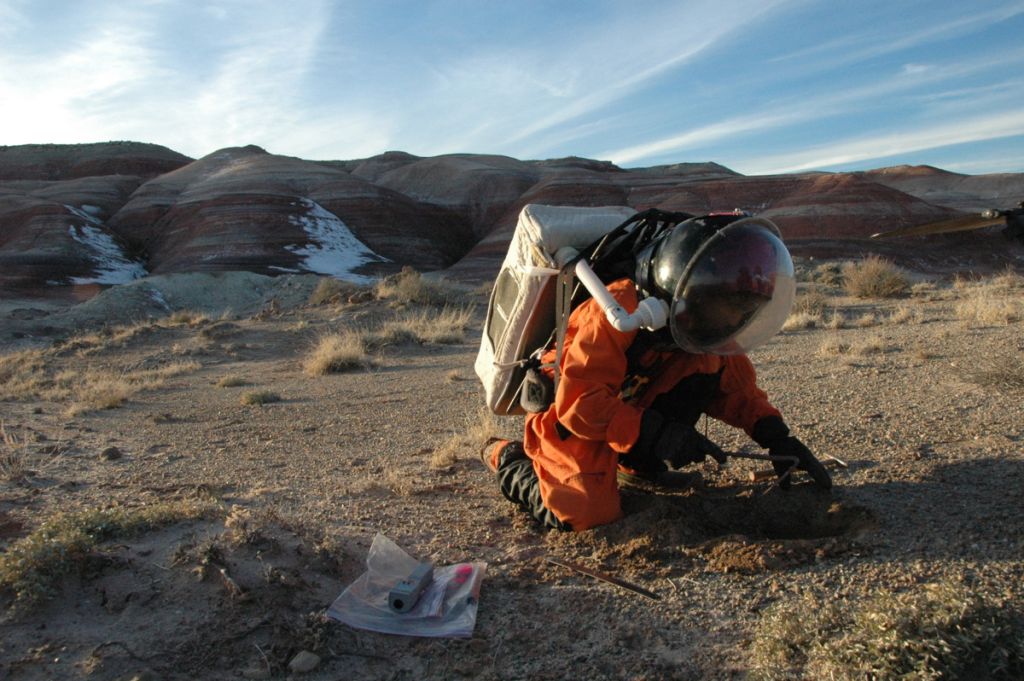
x,y
408,287
924,289
259,397
988,305
330,291
874,345
801,320
812,302
189,318
34,375
231,381
446,326
1008,280
336,353
874,277
13,454
828,274
832,347
865,320
468,442
1002,370
836,320
96,390
100,393
939,631
905,314
66,543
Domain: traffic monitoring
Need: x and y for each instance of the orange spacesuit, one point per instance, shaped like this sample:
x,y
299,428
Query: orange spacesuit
x,y
632,398
599,406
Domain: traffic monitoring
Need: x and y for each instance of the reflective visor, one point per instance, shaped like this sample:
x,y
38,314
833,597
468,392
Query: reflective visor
x,y
736,292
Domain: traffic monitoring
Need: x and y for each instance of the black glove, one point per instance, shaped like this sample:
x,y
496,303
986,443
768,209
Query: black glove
x,y
671,442
773,434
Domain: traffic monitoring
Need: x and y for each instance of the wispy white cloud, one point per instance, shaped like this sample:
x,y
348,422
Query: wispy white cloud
x,y
528,93
63,96
822,106
885,39
975,129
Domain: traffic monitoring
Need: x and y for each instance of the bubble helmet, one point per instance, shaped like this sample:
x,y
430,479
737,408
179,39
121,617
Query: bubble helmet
x,y
729,287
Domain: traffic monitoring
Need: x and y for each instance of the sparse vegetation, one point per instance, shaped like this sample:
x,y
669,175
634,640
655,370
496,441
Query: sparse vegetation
x,y
259,397
186,318
924,289
987,305
904,314
65,542
231,381
13,453
833,346
837,320
865,320
873,345
874,277
409,287
812,302
426,326
828,274
801,320
337,353
467,442
940,631
330,291
1002,369
1008,280
31,374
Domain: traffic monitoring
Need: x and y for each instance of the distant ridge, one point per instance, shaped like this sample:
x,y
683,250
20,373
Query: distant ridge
x,y
103,212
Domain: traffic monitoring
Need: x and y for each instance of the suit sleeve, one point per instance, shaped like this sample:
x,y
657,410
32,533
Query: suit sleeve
x,y
740,402
593,368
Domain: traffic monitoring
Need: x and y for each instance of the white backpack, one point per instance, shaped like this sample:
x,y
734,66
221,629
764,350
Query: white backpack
x,y
521,313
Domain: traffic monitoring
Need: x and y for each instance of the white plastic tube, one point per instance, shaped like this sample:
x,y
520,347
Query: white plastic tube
x,y
651,313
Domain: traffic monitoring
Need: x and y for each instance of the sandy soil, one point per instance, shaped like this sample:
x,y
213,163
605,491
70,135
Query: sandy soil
x,y
934,488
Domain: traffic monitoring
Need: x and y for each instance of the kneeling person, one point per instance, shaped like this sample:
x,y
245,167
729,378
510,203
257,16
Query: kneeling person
x,y
632,399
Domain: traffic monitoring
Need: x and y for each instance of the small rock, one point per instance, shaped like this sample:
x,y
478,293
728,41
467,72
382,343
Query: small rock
x,y
111,454
256,673
304,662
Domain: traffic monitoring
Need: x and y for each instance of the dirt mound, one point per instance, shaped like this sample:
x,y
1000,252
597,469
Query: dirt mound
x,y
215,294
723,529
189,601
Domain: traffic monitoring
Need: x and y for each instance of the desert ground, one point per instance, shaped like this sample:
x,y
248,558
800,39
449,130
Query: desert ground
x,y
183,496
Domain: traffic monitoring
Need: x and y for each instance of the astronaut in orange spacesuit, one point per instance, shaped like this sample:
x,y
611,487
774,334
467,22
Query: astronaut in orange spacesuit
x,y
630,401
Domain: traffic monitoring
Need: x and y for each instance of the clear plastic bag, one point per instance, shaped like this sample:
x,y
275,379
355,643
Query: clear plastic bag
x,y
447,608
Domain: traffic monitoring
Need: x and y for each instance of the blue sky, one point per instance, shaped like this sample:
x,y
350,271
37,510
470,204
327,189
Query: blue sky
x,y
760,86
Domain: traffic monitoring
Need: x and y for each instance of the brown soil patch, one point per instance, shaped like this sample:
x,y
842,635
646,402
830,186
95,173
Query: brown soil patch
x,y
931,492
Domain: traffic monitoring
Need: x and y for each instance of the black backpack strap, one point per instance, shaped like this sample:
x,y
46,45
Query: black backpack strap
x,y
563,308
618,244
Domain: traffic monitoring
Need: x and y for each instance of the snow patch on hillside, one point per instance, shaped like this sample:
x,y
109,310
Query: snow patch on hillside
x,y
332,248
110,264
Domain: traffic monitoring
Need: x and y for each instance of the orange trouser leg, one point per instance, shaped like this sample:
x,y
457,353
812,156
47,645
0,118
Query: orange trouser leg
x,y
581,499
